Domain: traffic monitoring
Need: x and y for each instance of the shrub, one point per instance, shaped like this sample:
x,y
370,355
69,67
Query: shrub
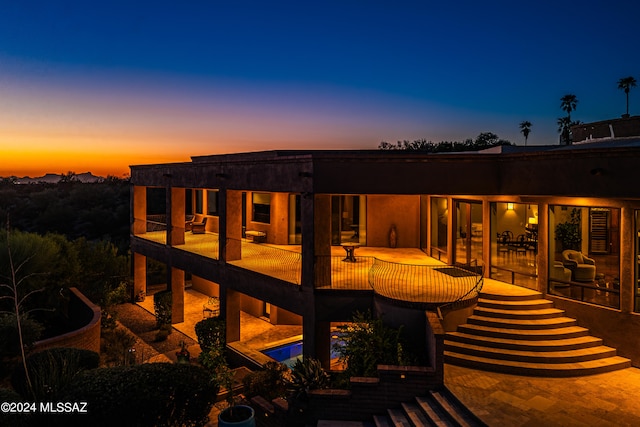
x,y
51,371
152,394
162,307
367,343
211,332
115,346
31,332
16,419
307,374
164,332
270,382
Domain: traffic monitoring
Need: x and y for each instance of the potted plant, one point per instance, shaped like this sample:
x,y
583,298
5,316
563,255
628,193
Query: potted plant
x,y
568,233
183,354
235,415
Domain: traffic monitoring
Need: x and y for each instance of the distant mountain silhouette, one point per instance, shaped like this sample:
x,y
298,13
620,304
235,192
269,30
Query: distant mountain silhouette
x,y
52,178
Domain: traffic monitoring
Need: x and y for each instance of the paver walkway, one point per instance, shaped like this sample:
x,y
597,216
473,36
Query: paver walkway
x,y
609,399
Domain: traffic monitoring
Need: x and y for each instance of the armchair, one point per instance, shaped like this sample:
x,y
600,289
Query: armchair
x,y
560,272
199,227
583,268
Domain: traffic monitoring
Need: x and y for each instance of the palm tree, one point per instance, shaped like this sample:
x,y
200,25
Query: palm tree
x,y
525,128
564,125
626,84
568,103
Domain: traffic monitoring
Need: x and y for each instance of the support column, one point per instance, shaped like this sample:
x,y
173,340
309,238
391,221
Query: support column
x,y
323,343
486,237
543,255
627,260
177,295
139,275
231,313
139,203
321,220
176,224
231,223
451,230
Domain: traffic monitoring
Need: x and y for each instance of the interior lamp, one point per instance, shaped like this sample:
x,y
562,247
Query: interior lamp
x,y
533,220
509,206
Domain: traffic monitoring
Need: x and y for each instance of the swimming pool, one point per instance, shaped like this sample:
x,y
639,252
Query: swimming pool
x,y
289,353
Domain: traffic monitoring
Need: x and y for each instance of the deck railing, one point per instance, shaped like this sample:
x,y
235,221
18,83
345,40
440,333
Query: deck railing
x,y
346,274
268,260
428,284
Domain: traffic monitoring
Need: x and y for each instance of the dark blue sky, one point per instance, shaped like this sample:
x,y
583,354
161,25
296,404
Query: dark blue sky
x,y
211,76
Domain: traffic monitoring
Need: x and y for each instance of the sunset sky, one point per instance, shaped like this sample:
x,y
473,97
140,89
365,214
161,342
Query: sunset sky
x,y
98,86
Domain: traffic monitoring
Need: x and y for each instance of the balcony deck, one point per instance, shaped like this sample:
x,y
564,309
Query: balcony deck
x,y
406,274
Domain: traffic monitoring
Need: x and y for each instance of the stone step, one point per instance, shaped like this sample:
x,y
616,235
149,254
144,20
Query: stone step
x,y
455,410
415,415
519,295
398,418
563,356
531,314
532,304
590,367
434,412
585,341
382,421
505,323
527,335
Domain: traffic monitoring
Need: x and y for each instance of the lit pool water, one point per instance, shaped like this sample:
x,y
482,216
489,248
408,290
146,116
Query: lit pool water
x,y
289,353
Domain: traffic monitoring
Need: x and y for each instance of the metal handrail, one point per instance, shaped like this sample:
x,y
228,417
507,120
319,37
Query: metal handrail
x,y
268,260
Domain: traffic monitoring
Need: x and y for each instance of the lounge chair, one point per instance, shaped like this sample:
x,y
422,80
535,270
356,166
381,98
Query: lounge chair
x,y
199,227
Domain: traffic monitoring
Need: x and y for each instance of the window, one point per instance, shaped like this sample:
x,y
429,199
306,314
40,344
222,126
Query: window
x,y
439,228
584,253
212,202
261,207
199,202
514,243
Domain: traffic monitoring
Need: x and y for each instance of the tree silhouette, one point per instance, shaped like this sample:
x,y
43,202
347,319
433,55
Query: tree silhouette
x,y
568,103
525,129
626,83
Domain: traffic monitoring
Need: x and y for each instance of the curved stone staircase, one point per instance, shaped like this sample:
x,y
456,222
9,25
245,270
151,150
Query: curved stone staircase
x,y
523,334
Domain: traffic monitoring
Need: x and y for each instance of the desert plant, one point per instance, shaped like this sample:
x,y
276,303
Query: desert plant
x,y
52,371
367,342
269,382
115,346
306,374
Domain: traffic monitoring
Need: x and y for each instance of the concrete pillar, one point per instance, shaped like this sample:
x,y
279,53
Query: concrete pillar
x,y
139,196
627,260
451,233
176,222
486,238
177,295
323,343
309,334
321,239
543,255
231,221
139,274
230,301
